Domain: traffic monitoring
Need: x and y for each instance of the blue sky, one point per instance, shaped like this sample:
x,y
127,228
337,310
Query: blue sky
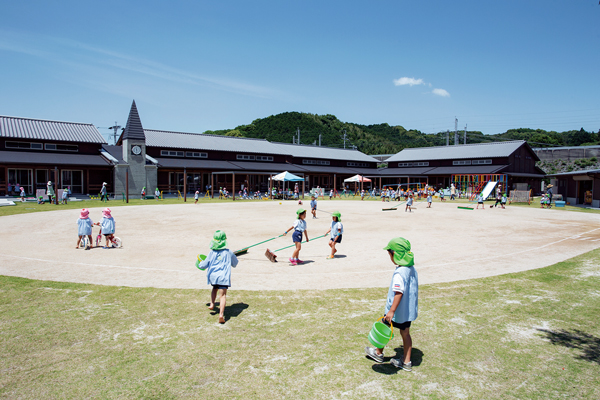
x,y
204,65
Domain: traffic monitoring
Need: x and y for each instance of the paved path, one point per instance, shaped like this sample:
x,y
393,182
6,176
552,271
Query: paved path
x,y
161,243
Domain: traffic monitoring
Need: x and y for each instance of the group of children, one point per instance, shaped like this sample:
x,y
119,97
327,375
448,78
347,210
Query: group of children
x,y
85,224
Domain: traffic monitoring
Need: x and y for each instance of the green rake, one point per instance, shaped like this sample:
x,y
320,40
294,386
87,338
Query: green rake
x,y
273,257
245,249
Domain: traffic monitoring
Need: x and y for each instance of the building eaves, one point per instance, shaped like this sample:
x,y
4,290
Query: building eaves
x,y
581,172
38,129
55,159
467,151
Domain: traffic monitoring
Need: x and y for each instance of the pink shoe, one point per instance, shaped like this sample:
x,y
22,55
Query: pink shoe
x,y
293,262
299,261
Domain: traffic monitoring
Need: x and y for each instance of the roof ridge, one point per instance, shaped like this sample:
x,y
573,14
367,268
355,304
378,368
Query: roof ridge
x,y
464,145
316,146
204,134
48,120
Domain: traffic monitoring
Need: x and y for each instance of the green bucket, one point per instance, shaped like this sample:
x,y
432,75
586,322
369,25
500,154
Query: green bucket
x,y
201,257
380,334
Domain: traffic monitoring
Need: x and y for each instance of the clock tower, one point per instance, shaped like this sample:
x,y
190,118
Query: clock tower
x,y
141,172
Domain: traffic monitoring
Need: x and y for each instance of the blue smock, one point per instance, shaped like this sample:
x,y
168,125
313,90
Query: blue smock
x,y
219,263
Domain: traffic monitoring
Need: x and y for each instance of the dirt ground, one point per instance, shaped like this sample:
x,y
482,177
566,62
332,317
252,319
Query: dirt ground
x,y
161,242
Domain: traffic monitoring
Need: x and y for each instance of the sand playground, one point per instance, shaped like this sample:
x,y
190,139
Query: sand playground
x,y
161,242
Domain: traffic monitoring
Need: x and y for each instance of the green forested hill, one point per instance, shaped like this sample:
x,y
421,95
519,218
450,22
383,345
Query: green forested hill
x,y
383,138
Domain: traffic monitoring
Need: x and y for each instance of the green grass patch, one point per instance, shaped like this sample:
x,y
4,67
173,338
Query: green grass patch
x,y
526,335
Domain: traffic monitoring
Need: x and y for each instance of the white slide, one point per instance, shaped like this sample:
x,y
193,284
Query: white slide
x,y
487,190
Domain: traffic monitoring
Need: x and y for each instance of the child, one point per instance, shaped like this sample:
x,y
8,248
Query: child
x,y
298,227
107,224
402,304
196,195
65,193
22,194
330,194
480,201
543,200
336,229
313,206
144,193
383,194
219,262
442,195
503,201
409,203
84,227
429,200
362,194
157,194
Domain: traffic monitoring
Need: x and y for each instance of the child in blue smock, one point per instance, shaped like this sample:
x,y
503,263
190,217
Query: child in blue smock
x,y
480,201
313,206
107,225
336,229
298,227
218,264
503,201
402,305
429,199
409,203
84,227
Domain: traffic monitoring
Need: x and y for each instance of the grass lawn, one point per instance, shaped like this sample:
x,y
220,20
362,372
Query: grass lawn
x,y
530,335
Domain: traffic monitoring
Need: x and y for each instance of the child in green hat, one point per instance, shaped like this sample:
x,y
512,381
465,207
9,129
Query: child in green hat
x,y
219,262
336,229
402,304
298,227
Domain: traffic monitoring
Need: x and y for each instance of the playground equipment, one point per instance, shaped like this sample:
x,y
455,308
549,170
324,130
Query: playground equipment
x,y
473,184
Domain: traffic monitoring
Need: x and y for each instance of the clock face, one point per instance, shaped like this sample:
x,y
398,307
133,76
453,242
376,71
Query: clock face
x,y
137,150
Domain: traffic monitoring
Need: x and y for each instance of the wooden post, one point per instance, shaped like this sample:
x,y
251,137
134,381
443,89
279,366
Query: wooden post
x,y
126,184
56,185
362,178
212,186
379,183
184,185
233,185
334,184
303,186
271,186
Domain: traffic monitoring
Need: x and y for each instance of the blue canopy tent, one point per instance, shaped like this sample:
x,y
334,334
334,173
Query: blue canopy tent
x,y
285,176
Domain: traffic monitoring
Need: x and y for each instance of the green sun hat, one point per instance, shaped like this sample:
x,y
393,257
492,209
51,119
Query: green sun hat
x,y
402,254
300,211
338,215
219,241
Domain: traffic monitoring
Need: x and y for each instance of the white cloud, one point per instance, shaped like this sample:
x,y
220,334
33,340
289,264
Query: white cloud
x,y
408,81
440,92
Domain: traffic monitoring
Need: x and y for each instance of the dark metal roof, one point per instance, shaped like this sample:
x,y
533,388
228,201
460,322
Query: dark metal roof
x,y
25,128
525,174
473,169
200,141
168,162
268,166
26,157
330,170
409,171
467,151
115,151
582,172
328,153
133,129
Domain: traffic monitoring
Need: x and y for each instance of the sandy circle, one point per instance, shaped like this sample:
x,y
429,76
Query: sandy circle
x,y
161,242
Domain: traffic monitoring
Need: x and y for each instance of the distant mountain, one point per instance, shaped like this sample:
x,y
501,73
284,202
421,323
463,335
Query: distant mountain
x,y
383,138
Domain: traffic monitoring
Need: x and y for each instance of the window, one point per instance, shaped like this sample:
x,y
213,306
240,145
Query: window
x,y
194,154
245,157
171,153
21,177
264,158
357,164
72,179
479,162
315,162
23,145
61,147
414,164
461,162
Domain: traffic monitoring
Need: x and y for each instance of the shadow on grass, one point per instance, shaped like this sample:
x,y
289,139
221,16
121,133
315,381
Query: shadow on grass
x,y
235,310
388,369
576,339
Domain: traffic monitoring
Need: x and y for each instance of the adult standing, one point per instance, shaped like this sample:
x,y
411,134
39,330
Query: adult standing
x,y
452,192
103,194
549,193
50,191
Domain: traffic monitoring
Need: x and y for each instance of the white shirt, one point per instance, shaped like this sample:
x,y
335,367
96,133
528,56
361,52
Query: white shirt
x,y
300,225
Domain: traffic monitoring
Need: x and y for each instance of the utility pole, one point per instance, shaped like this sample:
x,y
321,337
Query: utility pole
x,y
298,134
344,137
465,136
319,140
115,128
455,131
447,138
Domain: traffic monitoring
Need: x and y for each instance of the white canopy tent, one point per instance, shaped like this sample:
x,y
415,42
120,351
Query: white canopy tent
x,y
356,179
